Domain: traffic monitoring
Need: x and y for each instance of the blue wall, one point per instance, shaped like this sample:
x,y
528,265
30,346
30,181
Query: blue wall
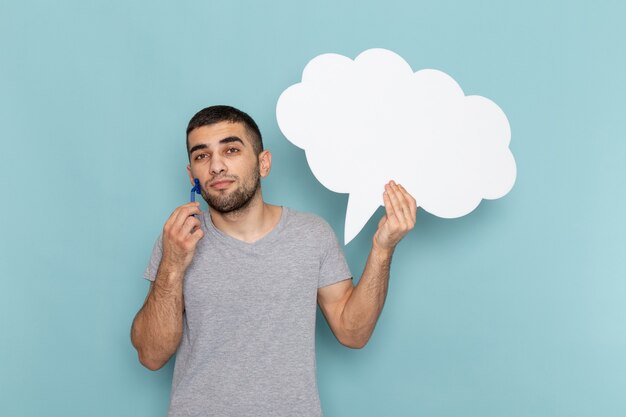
x,y
517,309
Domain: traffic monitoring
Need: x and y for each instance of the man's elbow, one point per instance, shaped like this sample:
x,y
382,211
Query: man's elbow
x,y
354,342
147,358
151,363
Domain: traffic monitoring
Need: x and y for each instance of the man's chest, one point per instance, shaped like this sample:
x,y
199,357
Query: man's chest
x,y
222,282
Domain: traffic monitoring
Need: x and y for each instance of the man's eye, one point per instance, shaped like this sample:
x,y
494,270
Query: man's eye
x,y
201,156
232,150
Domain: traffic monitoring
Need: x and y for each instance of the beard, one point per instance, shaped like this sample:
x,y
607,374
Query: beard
x,y
237,199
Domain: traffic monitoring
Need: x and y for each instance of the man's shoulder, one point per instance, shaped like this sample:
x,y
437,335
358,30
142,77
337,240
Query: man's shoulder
x,y
309,221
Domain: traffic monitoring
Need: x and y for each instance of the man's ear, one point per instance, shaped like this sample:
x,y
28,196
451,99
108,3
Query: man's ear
x,y
265,163
191,177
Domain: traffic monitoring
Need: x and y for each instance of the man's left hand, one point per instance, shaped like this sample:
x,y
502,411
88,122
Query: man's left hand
x,y
401,209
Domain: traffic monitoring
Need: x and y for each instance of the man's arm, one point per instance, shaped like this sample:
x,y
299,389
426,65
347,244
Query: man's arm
x,y
158,327
352,312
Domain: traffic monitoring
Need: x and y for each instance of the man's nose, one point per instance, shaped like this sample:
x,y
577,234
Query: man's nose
x,y
217,165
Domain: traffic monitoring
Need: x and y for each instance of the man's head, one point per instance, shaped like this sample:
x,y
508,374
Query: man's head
x,y
215,114
226,154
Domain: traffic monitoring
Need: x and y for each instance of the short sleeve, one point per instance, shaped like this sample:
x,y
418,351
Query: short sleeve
x,y
334,267
155,259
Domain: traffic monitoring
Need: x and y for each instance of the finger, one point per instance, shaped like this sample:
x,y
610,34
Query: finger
x,y
411,204
395,218
176,213
181,214
190,224
387,200
197,235
396,200
177,219
407,206
389,220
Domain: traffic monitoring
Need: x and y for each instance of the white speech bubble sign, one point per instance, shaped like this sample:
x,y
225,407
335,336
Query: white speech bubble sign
x,y
366,121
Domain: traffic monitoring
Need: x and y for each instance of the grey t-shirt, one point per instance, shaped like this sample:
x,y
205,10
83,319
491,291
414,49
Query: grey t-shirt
x,y
248,344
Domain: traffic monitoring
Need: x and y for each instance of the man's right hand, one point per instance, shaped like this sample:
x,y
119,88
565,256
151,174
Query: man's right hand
x,y
181,234
158,327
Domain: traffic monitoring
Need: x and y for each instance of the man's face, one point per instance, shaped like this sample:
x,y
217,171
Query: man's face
x,y
223,159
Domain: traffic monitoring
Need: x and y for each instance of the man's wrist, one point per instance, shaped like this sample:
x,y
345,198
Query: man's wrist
x,y
381,252
169,273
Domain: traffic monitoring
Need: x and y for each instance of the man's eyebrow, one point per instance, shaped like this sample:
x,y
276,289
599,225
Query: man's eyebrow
x,y
229,139
197,147
232,139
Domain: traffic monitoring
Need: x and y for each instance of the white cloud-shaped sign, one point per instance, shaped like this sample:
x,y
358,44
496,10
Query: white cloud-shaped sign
x,y
366,121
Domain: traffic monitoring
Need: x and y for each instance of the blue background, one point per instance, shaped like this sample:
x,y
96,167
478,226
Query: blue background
x,y
518,309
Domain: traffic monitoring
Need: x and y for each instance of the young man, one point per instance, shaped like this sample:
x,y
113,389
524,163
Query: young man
x,y
234,289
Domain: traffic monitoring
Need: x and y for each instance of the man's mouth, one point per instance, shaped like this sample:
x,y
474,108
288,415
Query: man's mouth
x,y
221,184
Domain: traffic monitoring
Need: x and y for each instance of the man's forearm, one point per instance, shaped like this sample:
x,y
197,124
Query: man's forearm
x,y
157,328
352,312
365,304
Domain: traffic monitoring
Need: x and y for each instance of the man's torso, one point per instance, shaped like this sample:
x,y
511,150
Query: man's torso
x,y
248,344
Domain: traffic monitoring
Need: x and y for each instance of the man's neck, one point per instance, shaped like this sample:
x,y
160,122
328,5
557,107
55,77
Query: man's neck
x,y
250,223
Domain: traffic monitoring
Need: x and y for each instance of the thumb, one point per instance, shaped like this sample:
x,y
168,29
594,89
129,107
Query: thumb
x,y
382,220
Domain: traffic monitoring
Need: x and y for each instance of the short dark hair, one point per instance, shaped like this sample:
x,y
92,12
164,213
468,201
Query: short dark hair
x,y
216,114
